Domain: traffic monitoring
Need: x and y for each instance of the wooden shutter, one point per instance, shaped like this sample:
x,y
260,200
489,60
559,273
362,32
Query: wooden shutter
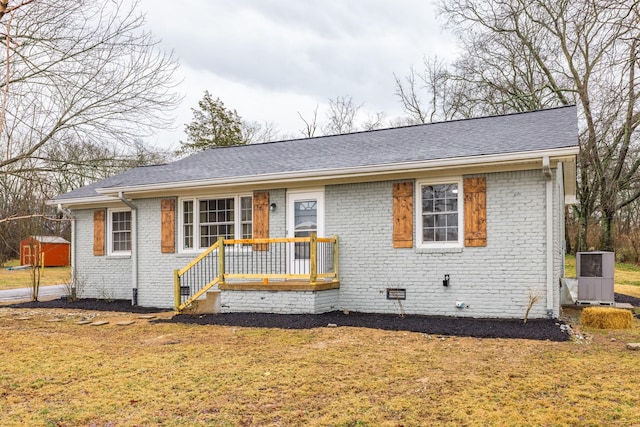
x,y
98,232
168,233
475,211
403,215
261,218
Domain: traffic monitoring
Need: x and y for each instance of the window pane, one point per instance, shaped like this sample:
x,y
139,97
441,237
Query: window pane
x,y
121,231
428,235
246,217
427,192
187,221
247,231
429,221
305,217
452,220
440,213
246,209
216,220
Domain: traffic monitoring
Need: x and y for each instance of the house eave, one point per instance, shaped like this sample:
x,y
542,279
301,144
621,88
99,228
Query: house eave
x,y
351,173
92,200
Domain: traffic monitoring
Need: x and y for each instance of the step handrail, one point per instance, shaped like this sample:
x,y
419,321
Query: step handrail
x,y
210,265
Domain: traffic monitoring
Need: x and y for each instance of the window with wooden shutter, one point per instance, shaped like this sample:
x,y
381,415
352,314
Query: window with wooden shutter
x,y
98,232
168,226
403,215
261,218
475,212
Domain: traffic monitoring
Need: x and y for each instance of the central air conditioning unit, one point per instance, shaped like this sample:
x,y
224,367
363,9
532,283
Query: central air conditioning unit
x,y
594,271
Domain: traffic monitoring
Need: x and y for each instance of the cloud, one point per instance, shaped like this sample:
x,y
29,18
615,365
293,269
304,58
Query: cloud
x,y
255,51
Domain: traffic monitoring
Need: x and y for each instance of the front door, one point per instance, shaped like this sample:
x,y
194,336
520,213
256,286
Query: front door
x,y
305,213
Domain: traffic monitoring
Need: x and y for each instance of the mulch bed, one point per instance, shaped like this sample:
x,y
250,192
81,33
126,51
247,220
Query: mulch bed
x,y
89,304
627,299
536,329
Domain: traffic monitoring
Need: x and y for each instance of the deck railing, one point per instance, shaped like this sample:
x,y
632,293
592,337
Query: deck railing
x,y
313,259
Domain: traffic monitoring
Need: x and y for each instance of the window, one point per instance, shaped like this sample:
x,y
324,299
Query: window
x,y
119,232
204,220
440,214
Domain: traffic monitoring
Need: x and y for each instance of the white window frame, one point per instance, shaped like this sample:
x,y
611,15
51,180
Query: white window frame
x,y
419,217
110,250
237,220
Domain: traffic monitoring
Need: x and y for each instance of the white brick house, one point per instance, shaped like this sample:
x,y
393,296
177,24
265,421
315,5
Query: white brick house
x,y
460,218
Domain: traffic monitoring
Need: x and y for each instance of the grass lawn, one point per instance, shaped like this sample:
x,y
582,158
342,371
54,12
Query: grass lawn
x,y
12,279
63,374
57,373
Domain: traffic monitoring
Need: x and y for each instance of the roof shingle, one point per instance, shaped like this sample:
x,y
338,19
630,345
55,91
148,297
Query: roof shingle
x,y
513,133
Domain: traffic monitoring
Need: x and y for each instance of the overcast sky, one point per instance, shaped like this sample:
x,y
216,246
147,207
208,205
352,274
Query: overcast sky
x,y
270,59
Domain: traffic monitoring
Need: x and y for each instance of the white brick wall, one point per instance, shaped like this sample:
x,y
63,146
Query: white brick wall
x,y
286,302
98,276
493,281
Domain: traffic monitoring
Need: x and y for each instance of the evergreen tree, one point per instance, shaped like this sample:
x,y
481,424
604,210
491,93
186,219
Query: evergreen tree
x,y
213,125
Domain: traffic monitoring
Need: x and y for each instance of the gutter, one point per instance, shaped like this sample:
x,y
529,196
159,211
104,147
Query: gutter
x,y
350,172
134,247
67,213
546,170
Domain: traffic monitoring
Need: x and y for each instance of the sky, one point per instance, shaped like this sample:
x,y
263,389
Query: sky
x,y
272,60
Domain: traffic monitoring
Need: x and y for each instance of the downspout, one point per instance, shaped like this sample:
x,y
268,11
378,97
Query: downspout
x,y
134,246
546,170
67,213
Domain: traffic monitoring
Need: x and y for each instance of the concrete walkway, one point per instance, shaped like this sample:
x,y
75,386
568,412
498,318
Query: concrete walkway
x,y
24,294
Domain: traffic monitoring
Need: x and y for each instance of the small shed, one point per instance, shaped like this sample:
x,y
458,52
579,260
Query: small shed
x,y
54,250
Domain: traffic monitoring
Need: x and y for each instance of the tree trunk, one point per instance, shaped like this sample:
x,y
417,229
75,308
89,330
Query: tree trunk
x,y
583,230
607,234
567,238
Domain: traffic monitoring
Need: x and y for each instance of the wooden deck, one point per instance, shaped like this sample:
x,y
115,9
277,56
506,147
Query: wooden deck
x,y
272,285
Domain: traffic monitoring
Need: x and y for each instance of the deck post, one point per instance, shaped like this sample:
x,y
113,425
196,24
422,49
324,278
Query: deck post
x,y
313,255
335,257
221,260
176,290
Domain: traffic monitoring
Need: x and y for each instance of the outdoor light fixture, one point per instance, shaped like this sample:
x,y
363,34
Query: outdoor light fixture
x,y
445,282
273,206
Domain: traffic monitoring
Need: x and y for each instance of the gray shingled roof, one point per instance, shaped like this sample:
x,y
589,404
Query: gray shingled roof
x,y
514,133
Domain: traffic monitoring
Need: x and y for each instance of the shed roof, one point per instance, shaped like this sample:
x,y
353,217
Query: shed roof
x,y
49,239
536,131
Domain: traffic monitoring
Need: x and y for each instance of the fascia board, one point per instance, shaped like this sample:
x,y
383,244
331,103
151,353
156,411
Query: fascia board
x,y
561,154
92,200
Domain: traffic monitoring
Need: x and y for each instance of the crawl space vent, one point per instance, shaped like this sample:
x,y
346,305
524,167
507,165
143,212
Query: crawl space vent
x,y
395,293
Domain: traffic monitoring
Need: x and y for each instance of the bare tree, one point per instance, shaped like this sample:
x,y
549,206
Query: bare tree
x,y
81,83
255,133
519,55
83,72
341,117
432,94
311,125
374,121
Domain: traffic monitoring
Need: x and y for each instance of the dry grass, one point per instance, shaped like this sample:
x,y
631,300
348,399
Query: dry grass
x,y
63,374
606,318
13,279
